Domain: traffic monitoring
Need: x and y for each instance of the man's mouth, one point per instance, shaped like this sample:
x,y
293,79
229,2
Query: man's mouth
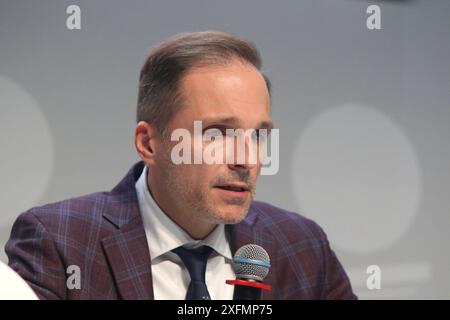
x,y
238,187
234,189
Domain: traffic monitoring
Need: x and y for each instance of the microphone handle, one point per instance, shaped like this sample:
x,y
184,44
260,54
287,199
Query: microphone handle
x,y
246,293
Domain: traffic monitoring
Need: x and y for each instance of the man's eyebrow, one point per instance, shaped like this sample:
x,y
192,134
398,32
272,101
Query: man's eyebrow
x,y
266,125
233,120
220,120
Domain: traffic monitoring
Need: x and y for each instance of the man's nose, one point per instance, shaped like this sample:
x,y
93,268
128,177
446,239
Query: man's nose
x,y
245,154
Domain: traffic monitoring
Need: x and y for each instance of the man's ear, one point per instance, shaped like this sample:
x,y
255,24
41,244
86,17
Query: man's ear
x,y
146,140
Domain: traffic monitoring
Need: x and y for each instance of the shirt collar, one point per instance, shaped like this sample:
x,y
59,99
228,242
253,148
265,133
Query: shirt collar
x,y
164,235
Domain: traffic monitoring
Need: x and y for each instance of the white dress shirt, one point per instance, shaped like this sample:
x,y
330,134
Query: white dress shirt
x,y
170,277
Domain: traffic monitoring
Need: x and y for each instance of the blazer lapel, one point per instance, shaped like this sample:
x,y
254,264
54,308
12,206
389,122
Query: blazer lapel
x,y
128,256
126,248
250,232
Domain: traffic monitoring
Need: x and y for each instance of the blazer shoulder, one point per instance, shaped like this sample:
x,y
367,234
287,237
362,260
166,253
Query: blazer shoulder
x,y
290,223
310,268
82,210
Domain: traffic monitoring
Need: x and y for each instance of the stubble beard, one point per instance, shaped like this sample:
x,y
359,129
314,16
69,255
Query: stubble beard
x,y
200,205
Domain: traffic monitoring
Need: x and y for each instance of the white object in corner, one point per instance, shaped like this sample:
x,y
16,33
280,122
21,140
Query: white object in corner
x,y
13,287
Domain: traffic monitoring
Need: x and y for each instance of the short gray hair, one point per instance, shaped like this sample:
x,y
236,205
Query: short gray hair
x,y
159,82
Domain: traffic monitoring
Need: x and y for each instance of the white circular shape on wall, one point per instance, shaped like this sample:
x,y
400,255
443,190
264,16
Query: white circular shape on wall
x,y
26,151
356,173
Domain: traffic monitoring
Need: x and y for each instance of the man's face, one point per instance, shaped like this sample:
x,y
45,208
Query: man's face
x,y
233,96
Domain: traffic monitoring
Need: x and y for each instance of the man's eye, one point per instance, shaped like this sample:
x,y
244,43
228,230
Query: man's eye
x,y
213,132
260,135
255,135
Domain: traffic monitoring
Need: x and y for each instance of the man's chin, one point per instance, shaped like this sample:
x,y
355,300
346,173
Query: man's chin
x,y
231,216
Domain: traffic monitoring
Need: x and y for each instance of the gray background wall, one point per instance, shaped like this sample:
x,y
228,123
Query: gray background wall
x,y
363,116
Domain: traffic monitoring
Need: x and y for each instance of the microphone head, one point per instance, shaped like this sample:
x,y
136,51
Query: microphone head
x,y
251,262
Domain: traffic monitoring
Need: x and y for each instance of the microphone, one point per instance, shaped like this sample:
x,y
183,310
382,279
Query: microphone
x,y
251,265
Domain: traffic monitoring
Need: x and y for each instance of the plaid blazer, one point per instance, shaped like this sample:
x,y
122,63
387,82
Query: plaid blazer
x,y
103,234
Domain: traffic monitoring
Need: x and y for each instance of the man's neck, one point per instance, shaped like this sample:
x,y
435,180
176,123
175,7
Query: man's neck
x,y
196,228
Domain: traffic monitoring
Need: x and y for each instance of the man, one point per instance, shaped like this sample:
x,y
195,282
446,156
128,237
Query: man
x,y
133,242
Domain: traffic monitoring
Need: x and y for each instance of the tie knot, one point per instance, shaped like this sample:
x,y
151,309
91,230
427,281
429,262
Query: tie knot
x,y
195,261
